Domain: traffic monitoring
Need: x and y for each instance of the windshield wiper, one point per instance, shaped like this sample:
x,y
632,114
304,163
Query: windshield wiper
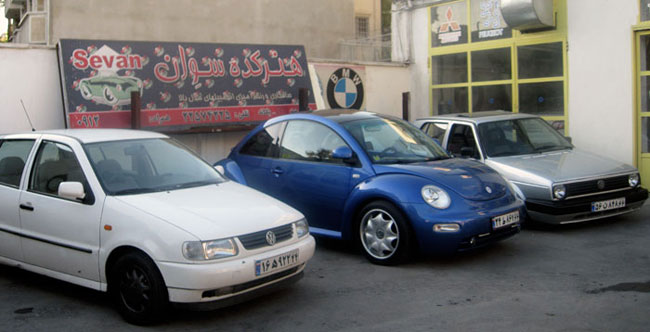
x,y
192,184
548,148
132,191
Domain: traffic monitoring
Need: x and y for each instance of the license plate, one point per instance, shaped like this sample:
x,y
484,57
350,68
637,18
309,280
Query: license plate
x,y
505,219
276,263
608,204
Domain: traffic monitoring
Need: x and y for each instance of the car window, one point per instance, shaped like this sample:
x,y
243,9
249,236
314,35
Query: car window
x,y
462,141
55,163
264,143
148,165
13,155
436,130
310,141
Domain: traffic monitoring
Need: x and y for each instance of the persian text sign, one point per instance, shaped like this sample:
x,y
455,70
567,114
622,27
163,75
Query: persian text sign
x,y
182,85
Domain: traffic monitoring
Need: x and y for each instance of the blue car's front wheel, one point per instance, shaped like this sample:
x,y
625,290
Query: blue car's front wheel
x,y
384,234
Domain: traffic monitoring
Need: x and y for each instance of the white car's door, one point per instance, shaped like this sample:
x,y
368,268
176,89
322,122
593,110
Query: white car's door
x,y
57,233
13,156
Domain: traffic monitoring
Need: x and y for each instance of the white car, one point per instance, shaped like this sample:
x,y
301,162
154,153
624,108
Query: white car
x,y
137,215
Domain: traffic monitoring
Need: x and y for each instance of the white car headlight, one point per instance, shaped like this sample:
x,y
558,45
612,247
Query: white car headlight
x,y
302,228
436,197
208,250
559,191
633,180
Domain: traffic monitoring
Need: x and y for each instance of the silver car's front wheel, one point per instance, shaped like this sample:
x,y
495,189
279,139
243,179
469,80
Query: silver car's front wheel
x,y
383,233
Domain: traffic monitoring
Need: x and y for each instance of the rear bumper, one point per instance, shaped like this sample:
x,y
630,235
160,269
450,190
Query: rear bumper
x,y
579,210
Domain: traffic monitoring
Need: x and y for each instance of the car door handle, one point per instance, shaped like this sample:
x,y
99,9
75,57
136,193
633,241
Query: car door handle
x,y
26,207
277,171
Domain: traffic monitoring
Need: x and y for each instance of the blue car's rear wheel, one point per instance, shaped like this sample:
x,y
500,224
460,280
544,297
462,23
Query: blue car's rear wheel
x,y
384,234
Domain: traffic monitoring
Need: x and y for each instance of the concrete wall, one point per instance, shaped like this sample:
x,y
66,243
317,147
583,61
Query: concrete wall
x,y
601,71
418,22
317,24
30,74
384,87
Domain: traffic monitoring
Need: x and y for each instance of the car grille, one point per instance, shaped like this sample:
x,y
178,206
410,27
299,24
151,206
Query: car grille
x,y
258,239
591,186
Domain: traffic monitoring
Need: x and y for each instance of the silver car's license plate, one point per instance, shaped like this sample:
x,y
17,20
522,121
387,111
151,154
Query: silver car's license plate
x,y
276,263
505,219
609,204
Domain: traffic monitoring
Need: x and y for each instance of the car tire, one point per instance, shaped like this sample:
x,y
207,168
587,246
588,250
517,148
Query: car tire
x,y
138,289
384,234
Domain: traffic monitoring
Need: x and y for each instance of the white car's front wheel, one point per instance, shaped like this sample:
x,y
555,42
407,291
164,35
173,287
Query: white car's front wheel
x,y
138,289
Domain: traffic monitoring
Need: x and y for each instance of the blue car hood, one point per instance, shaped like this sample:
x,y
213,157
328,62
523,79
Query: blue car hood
x,y
469,179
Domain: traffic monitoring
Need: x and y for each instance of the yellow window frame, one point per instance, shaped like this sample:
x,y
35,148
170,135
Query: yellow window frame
x,y
518,39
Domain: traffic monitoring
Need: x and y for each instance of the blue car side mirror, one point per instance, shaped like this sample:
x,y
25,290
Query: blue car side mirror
x,y
342,152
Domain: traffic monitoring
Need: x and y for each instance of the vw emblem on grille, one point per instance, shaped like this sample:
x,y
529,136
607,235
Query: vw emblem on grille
x,y
488,189
270,238
600,184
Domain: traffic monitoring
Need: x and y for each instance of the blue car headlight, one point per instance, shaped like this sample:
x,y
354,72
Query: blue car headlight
x,y
436,197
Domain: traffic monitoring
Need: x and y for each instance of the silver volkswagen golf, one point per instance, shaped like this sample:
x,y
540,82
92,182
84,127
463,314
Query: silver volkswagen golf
x,y
560,183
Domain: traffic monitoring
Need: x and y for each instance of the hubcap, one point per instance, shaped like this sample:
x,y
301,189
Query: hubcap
x,y
135,289
379,234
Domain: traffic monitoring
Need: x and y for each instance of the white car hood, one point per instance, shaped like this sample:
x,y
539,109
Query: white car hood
x,y
215,211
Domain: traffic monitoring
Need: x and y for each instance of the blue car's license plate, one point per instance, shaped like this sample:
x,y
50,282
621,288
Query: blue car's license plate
x,y
505,219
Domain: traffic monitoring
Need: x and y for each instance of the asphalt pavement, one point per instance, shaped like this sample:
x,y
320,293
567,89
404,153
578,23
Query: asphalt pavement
x,y
587,277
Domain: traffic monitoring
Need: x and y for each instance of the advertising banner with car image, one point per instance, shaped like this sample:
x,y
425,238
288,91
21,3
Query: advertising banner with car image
x,y
183,86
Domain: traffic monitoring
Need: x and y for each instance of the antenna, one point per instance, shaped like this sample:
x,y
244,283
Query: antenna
x,y
27,114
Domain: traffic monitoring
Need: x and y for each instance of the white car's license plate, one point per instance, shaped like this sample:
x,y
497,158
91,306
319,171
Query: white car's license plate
x,y
505,219
608,204
276,263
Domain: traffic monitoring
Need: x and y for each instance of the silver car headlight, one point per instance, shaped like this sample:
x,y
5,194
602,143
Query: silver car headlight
x,y
634,180
559,191
302,228
436,197
209,250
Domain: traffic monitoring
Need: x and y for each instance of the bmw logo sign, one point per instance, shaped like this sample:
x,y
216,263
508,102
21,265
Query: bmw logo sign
x,y
270,238
345,89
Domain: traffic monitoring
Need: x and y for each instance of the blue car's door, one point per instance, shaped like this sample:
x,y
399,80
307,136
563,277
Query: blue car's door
x,y
255,158
306,176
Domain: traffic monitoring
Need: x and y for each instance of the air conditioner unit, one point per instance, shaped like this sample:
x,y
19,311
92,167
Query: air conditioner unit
x,y
528,15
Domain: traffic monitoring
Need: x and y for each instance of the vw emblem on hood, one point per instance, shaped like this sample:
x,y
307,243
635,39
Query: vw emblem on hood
x,y
270,238
488,189
600,184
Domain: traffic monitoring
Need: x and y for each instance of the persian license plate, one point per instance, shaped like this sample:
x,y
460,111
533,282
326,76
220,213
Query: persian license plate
x,y
505,219
609,204
276,263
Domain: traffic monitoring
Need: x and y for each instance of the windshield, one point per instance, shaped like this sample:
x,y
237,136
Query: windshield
x,y
142,166
519,137
388,141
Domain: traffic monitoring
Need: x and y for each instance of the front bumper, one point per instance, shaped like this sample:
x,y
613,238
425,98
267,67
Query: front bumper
x,y
221,283
579,210
476,228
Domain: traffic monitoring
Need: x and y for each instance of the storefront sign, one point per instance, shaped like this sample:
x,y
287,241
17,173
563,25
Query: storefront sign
x,y
487,21
343,85
449,24
182,86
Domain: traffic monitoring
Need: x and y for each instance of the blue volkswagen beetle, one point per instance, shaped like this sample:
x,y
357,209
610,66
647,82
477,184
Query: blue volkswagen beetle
x,y
377,180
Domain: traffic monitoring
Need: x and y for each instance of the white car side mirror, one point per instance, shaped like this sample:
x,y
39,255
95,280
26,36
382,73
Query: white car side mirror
x,y
72,190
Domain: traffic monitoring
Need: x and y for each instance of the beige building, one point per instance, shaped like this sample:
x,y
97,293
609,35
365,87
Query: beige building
x,y
319,25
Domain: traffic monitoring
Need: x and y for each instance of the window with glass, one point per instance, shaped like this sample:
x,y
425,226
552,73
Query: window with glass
x,y
149,165
13,154
498,68
55,163
645,10
436,130
265,143
310,141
